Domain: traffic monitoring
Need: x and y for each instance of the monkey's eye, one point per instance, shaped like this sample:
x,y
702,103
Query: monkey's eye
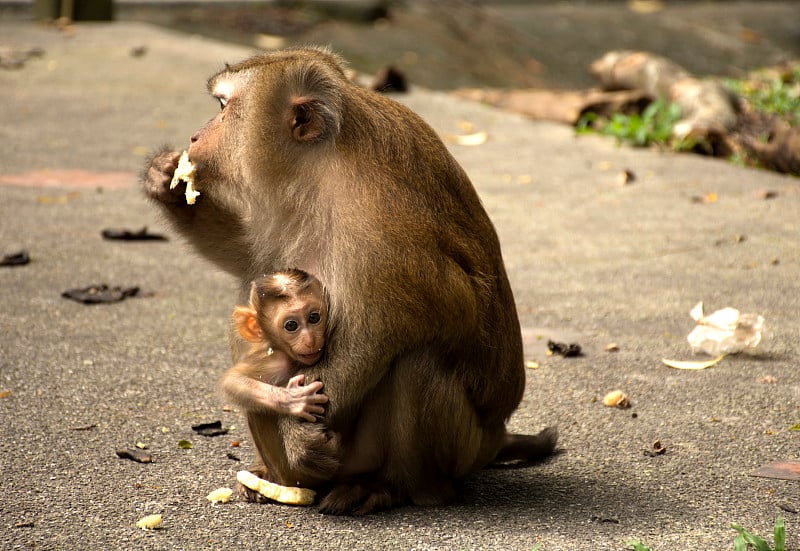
x,y
223,101
314,318
290,325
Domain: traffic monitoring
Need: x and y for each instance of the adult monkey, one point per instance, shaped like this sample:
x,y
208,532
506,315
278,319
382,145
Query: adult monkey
x,y
424,360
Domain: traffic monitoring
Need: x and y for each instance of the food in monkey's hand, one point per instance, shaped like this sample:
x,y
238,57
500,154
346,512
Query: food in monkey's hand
x,y
276,492
185,172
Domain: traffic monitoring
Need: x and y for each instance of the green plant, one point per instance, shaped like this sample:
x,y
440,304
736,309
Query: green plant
x,y
778,94
653,125
744,539
638,546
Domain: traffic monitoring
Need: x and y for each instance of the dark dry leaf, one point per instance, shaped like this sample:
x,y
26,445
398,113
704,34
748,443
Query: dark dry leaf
x,y
98,294
561,349
85,427
25,524
656,449
232,456
15,259
604,520
626,177
135,454
788,508
210,429
131,235
138,51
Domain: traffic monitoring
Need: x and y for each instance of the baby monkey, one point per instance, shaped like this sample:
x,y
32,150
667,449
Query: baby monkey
x,y
285,323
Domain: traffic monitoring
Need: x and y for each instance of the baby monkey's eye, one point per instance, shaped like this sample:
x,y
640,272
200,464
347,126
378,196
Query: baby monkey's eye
x,y
290,325
314,318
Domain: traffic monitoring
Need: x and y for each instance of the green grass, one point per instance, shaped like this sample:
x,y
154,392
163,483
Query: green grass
x,y
776,93
744,540
652,126
773,91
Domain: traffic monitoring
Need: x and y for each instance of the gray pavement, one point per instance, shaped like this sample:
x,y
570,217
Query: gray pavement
x,y
590,261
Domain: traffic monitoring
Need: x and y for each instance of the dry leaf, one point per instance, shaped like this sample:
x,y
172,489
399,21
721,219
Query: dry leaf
x,y
5,393
678,364
625,177
530,364
645,6
612,347
656,449
466,126
705,199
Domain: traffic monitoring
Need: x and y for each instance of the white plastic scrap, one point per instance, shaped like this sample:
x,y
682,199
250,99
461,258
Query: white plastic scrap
x,y
725,331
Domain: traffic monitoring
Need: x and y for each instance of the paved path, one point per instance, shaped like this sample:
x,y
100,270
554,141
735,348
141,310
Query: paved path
x,y
590,261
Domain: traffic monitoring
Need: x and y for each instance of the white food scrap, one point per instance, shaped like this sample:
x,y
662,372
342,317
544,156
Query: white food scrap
x,y
725,331
679,364
185,172
220,495
150,522
276,492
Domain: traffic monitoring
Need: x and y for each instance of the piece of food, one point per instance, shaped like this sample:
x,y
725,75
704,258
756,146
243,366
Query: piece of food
x,y
618,399
150,522
679,364
185,172
276,492
220,495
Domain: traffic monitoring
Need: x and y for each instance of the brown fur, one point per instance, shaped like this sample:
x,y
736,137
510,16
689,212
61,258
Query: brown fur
x,y
423,362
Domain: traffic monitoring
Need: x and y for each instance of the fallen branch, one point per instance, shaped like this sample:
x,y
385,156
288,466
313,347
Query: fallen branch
x,y
709,110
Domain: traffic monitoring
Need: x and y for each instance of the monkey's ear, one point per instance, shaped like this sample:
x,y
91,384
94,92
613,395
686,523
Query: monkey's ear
x,y
247,324
311,119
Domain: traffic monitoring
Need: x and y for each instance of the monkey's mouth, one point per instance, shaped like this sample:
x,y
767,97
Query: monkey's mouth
x,y
310,359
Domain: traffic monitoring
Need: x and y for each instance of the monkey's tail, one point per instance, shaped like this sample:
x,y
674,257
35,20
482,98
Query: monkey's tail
x,y
527,448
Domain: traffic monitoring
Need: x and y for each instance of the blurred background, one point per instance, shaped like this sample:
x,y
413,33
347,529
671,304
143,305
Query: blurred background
x,y
451,44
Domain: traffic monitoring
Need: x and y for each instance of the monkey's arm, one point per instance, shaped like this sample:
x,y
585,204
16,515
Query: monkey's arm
x,y
212,228
304,401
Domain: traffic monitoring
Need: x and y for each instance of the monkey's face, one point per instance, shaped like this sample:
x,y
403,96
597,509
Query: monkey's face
x,y
298,328
269,122
214,148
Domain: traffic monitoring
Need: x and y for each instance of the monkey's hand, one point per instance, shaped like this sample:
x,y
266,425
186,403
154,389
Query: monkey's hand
x,y
304,401
158,178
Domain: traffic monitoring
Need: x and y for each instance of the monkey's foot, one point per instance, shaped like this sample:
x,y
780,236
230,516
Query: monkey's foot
x,y
357,499
246,494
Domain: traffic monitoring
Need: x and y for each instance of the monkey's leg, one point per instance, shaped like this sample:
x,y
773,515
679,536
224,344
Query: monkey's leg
x,y
417,438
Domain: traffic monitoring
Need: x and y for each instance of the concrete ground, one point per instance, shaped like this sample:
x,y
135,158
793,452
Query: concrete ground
x,y
590,261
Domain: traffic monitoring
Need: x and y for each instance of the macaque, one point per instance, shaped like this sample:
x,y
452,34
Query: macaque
x,y
284,323
423,362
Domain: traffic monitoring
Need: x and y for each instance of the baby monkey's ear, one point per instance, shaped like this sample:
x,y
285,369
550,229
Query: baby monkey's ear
x,y
247,324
